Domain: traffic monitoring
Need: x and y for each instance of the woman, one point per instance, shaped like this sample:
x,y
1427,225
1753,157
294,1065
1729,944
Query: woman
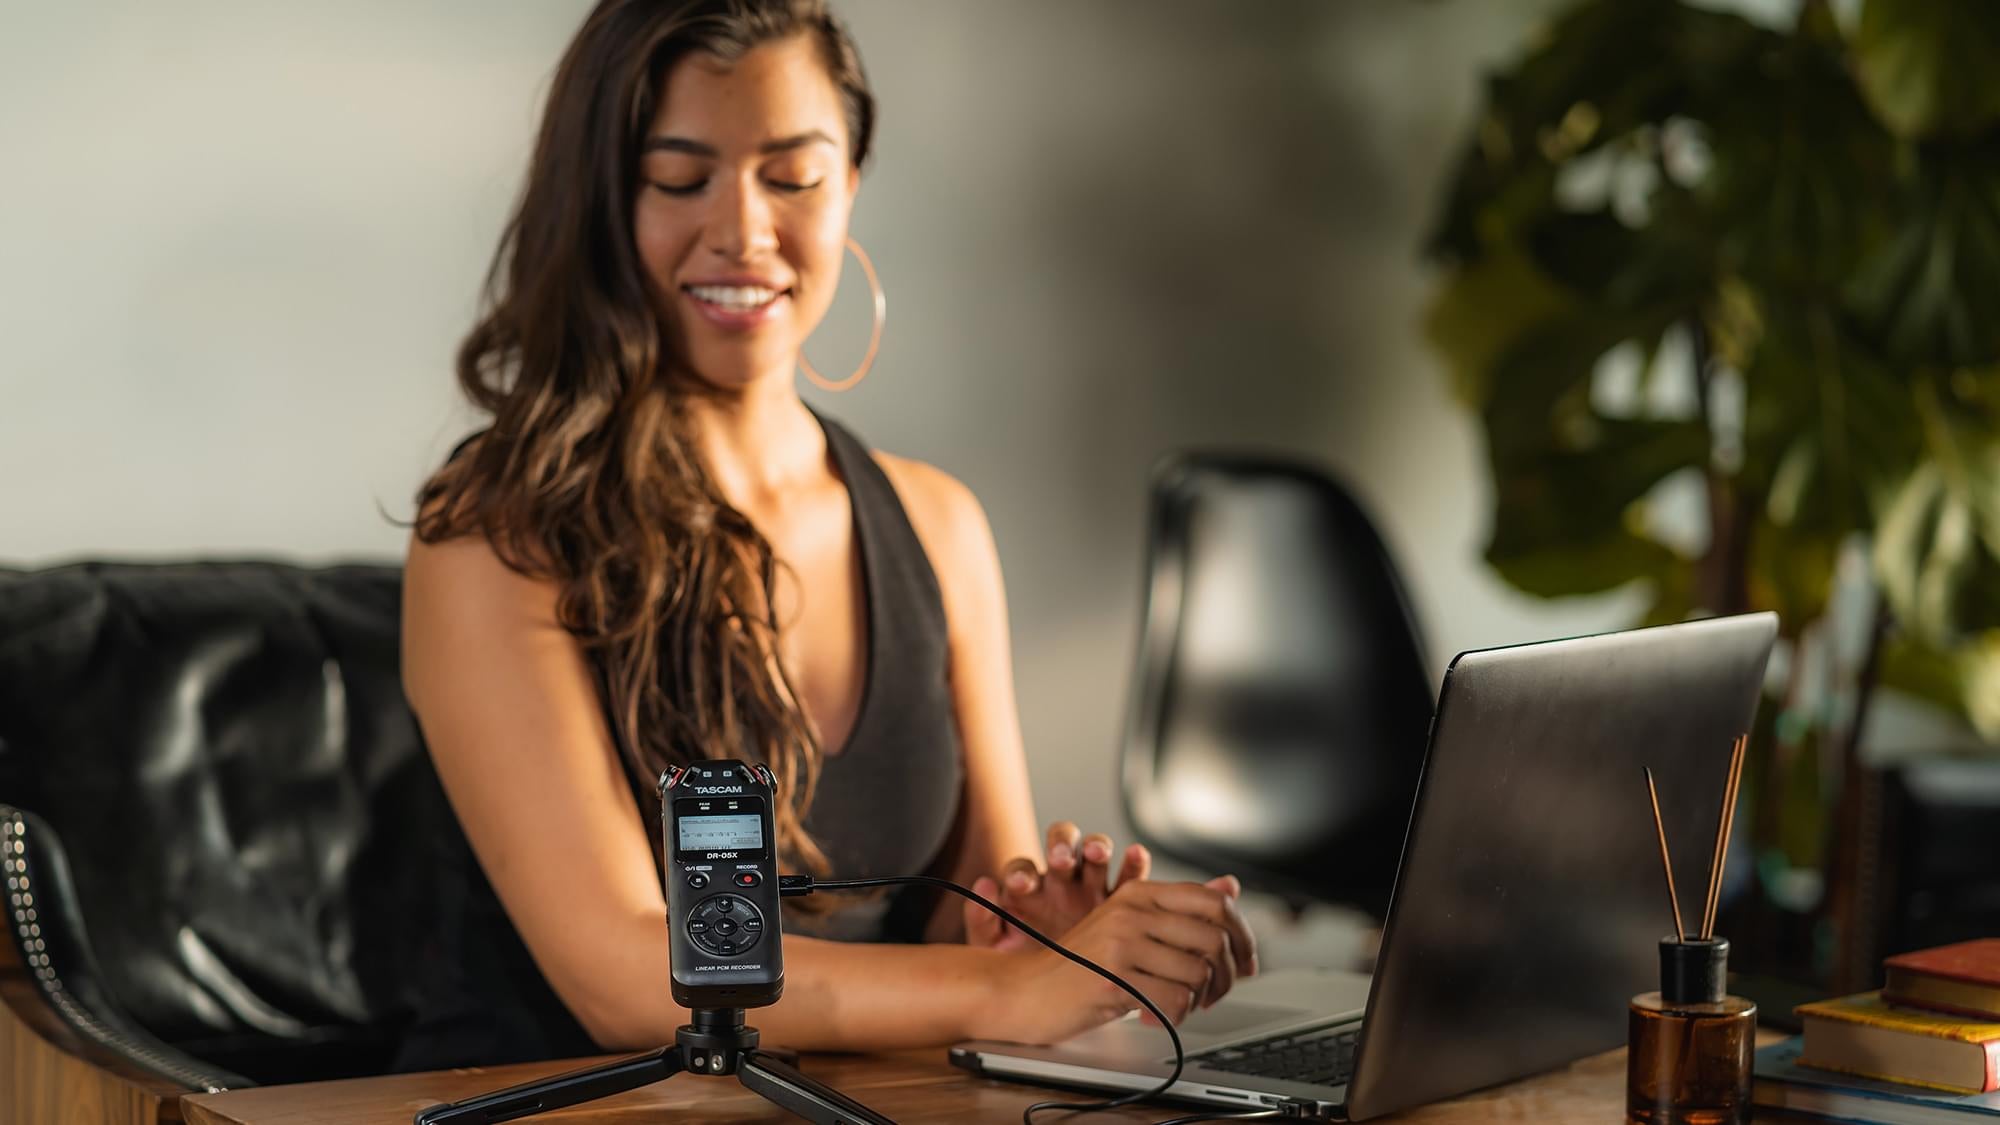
x,y
656,552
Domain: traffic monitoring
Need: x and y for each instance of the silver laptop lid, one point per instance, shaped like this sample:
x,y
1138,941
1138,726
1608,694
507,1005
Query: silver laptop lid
x,y
1527,907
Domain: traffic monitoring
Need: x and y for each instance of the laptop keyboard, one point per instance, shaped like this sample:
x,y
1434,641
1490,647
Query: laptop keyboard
x,y
1323,1056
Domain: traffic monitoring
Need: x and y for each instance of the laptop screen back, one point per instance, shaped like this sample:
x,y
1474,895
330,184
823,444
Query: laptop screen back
x,y
1528,907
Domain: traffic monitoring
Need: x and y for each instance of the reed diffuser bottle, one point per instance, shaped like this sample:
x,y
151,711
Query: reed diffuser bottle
x,y
1689,1046
1690,1043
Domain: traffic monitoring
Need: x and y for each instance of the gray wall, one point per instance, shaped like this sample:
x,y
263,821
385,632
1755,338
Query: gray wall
x,y
241,239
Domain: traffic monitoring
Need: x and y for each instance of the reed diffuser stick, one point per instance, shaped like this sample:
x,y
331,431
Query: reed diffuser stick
x,y
1715,857
1666,860
1724,825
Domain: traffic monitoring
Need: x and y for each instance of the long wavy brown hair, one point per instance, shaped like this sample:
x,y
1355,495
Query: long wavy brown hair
x,y
589,475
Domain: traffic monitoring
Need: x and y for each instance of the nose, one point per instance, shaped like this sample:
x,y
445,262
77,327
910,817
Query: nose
x,y
739,224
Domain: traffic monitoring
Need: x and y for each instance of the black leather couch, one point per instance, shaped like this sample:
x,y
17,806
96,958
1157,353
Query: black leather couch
x,y
216,813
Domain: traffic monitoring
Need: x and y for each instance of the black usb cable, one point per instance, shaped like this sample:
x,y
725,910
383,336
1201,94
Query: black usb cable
x,y
791,886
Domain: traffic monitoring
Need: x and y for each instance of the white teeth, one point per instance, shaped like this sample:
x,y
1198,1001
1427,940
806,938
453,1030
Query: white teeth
x,y
736,298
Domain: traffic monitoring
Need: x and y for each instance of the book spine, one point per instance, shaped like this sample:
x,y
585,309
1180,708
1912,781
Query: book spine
x,y
1882,1076
1878,1014
1935,1006
1980,969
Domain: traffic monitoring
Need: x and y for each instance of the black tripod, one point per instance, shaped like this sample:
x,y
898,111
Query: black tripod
x,y
716,1043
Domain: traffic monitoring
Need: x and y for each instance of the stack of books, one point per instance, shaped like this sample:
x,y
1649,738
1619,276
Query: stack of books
x,y
1782,1084
1927,1046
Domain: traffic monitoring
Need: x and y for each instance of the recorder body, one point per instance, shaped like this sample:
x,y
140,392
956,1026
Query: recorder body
x,y
722,885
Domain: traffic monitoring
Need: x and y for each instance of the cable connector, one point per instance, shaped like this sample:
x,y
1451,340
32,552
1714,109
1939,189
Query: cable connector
x,y
792,886
1289,1108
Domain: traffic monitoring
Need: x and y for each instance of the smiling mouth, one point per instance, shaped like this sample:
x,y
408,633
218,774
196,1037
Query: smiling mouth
x,y
735,298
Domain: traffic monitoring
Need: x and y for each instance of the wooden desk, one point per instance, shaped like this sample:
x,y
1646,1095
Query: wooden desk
x,y
909,1086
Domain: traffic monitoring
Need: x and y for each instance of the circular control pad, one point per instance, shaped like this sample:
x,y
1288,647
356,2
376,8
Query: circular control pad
x,y
725,925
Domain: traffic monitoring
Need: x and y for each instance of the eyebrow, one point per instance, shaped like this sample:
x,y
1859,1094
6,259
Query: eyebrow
x,y
697,148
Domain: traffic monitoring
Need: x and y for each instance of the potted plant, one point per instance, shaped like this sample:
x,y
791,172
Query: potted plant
x,y
1725,296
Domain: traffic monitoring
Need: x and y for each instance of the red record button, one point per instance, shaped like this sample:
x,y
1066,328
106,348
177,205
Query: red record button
x,y
748,879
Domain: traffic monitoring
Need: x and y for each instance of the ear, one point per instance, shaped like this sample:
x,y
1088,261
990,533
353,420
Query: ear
x,y
853,180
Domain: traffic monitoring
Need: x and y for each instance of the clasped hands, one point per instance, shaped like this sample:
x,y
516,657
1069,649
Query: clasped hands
x,y
1182,944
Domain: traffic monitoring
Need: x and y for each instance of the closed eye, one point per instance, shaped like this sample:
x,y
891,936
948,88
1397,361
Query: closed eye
x,y
694,187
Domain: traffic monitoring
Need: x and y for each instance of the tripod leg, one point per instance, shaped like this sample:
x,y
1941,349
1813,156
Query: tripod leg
x,y
572,1088
782,1085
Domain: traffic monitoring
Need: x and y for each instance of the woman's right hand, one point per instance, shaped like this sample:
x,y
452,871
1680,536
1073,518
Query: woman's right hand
x,y
1182,944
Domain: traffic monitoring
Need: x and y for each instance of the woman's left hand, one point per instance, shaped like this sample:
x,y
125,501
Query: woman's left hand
x,y
1055,896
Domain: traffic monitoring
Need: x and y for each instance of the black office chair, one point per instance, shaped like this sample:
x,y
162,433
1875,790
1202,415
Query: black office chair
x,y
1281,701
218,823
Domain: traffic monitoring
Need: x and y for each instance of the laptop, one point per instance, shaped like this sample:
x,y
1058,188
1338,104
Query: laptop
x,y
1527,908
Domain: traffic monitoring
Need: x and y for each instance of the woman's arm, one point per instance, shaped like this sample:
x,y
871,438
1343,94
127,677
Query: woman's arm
x,y
509,709
996,816
994,837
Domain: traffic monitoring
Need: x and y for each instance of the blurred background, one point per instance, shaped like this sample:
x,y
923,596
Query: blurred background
x,y
243,239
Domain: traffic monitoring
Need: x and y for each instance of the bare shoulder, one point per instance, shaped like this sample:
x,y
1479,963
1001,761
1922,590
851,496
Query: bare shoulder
x,y
459,596
468,570
946,515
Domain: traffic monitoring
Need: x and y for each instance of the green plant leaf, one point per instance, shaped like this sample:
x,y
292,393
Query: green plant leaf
x,y
1927,65
1791,570
1963,436
1580,565
1483,310
1939,581
1618,267
1600,73
1802,172
1563,517
1536,399
1926,297
1923,672
1828,432
1903,544
1492,193
1979,664
1963,679
1634,62
1673,597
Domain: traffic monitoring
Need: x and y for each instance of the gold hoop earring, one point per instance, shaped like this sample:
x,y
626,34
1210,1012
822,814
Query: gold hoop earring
x,y
874,337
